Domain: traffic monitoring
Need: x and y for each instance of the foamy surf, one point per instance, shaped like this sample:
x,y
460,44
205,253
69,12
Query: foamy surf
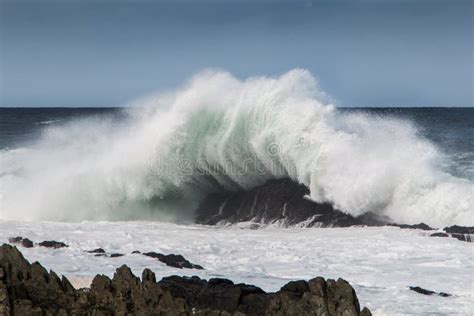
x,y
221,132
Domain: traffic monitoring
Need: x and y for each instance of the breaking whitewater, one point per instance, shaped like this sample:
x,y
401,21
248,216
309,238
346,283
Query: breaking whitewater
x,y
236,176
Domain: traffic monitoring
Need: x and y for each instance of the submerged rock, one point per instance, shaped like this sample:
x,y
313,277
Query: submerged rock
x,y
176,261
98,250
25,242
428,292
421,226
439,234
459,229
52,244
116,255
28,289
280,201
463,233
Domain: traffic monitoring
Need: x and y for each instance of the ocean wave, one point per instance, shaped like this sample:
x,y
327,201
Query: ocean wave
x,y
217,132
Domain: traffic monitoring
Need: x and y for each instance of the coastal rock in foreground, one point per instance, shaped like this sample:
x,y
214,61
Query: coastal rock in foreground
x,y
277,201
28,289
314,297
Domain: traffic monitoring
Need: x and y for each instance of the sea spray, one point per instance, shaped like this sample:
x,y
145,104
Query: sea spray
x,y
217,132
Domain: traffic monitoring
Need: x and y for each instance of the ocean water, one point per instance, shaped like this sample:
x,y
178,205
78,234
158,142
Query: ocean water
x,y
158,158
381,263
129,179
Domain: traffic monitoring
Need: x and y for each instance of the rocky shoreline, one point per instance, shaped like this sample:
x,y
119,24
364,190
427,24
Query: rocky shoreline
x,y
28,289
283,202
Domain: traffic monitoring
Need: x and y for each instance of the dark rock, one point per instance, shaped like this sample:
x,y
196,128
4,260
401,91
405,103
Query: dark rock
x,y
439,235
462,237
25,242
282,201
52,244
422,290
136,251
427,292
176,261
28,289
297,287
116,255
459,229
98,250
421,226
365,312
316,297
463,233
444,294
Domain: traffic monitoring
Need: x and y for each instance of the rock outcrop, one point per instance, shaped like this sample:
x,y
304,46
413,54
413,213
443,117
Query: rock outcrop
x,y
52,244
28,289
25,242
428,292
277,201
462,233
172,260
284,202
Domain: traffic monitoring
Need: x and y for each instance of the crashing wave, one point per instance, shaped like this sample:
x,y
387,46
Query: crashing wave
x,y
220,133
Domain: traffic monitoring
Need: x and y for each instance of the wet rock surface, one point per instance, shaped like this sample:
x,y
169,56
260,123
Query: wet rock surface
x,y
172,260
421,226
25,242
52,244
277,201
428,292
284,202
28,289
439,235
97,250
116,255
459,229
463,233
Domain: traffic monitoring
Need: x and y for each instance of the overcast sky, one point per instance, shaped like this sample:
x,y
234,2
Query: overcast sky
x,y
364,52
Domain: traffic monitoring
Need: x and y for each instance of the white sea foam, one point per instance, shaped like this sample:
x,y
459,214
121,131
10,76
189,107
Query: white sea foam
x,y
220,132
380,262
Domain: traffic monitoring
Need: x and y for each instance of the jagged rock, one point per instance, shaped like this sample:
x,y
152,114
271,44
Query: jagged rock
x,y
215,294
52,244
315,297
98,250
281,201
176,261
439,234
28,289
25,242
428,292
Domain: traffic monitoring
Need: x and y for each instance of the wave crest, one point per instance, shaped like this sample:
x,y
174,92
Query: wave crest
x,y
218,132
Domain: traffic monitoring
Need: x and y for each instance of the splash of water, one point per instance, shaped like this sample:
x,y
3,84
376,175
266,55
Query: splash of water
x,y
219,132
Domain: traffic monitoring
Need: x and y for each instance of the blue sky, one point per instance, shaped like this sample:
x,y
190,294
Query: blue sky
x,y
364,52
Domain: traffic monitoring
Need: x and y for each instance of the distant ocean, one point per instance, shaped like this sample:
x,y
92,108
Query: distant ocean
x,y
153,162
